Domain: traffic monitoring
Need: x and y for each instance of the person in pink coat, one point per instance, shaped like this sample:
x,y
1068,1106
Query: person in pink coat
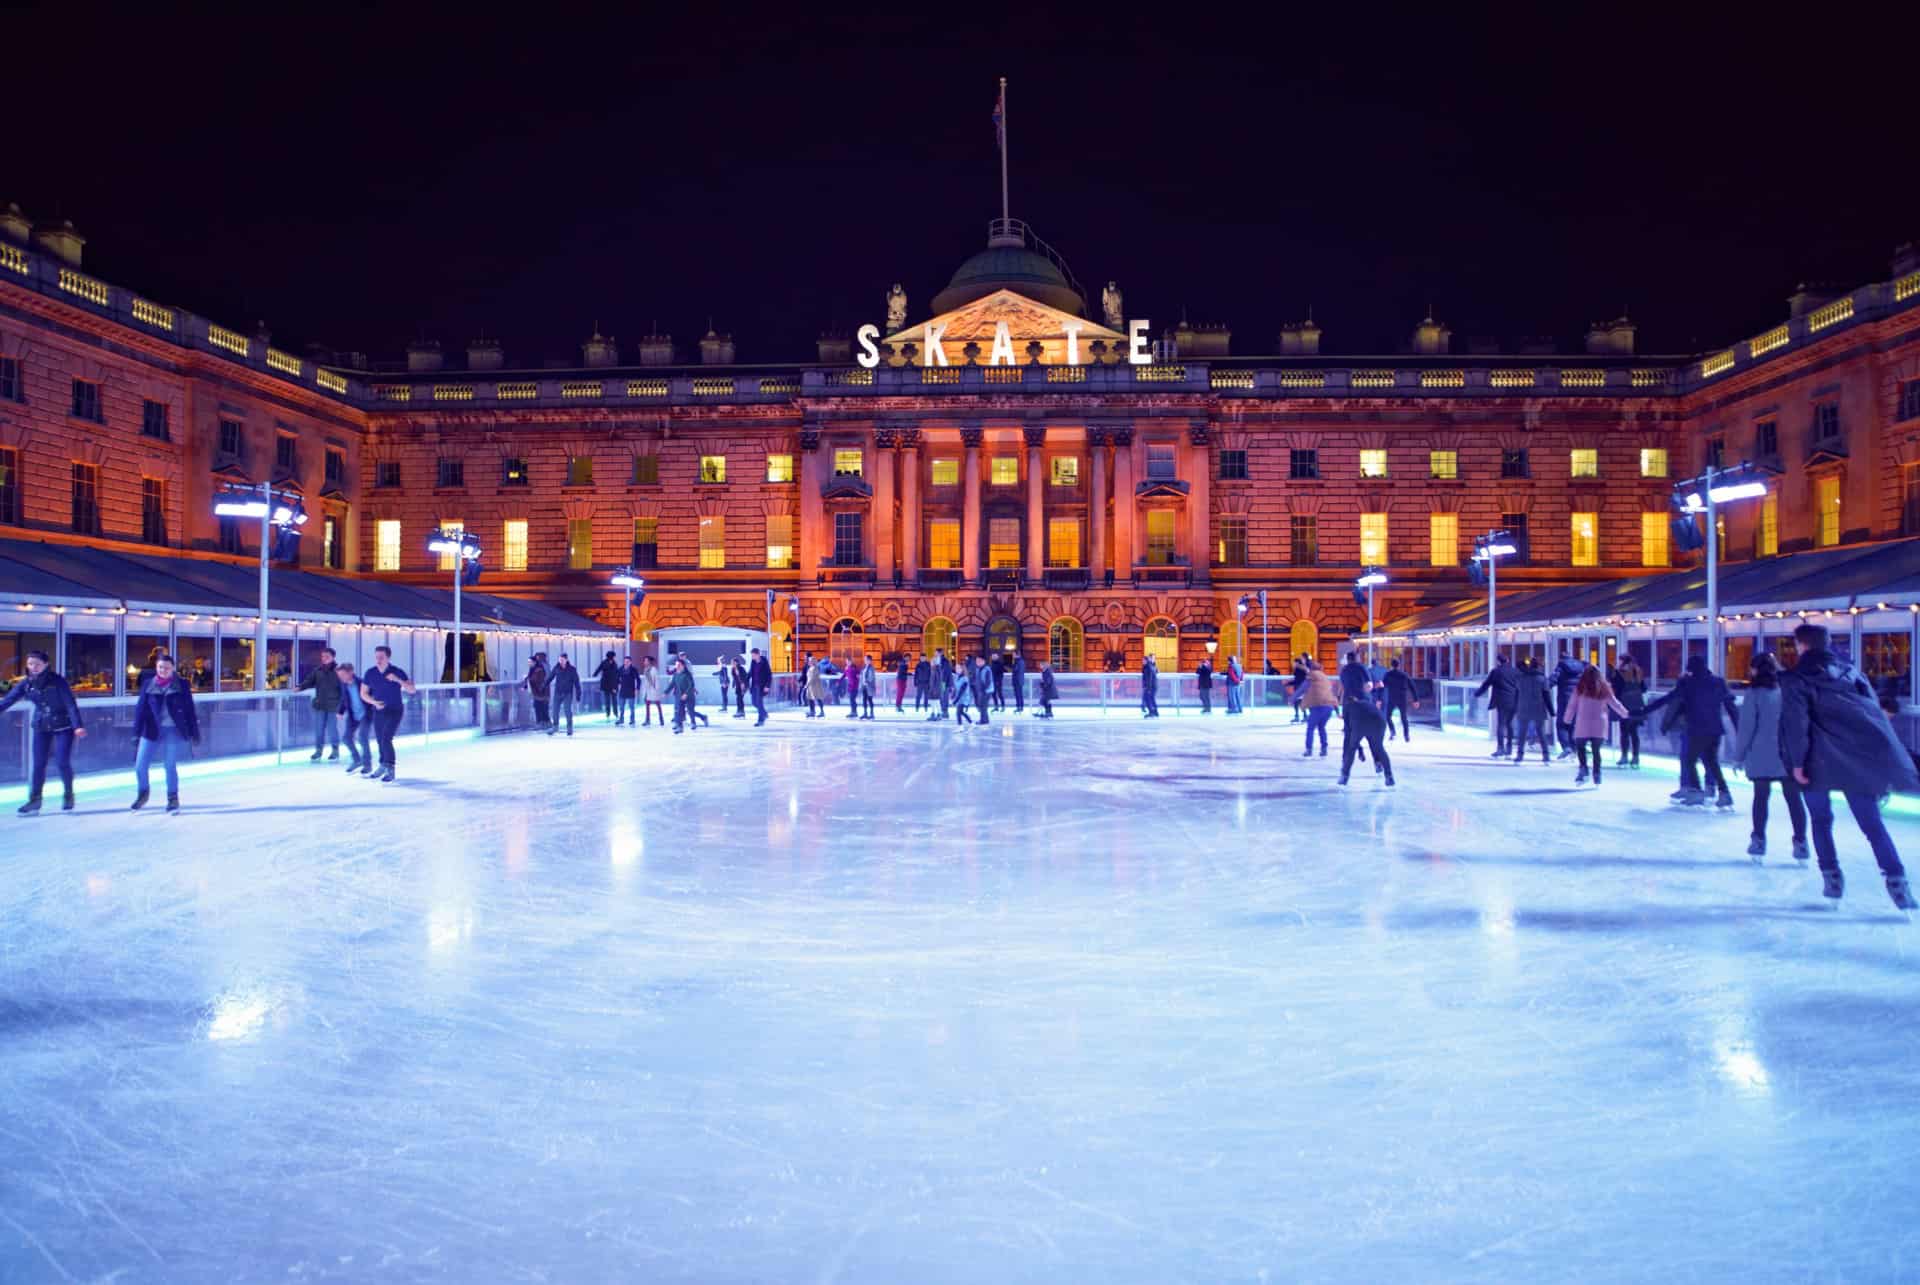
x,y
1587,711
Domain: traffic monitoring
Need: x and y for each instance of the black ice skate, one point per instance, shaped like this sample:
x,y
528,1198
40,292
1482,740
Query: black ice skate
x,y
1832,884
1901,894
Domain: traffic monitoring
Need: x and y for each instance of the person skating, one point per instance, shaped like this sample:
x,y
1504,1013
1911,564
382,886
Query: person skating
x,y
1377,675
1756,751
1501,686
1234,677
1297,688
1149,687
1630,685
1049,691
983,692
55,724
759,681
608,672
901,672
626,694
960,694
1203,684
681,687
1361,720
164,717
1565,675
566,693
815,688
941,679
854,674
1017,671
539,685
1586,713
1321,696
1399,686
1701,696
386,686
1532,705
739,687
997,673
869,682
1835,736
324,683
358,717
922,683
652,693
723,675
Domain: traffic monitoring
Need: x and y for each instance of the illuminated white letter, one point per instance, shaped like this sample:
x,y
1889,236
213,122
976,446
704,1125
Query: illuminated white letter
x,y
869,353
1073,345
935,355
1002,343
1137,353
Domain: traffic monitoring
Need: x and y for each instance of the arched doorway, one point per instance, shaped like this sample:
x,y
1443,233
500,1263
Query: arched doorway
x,y
846,640
780,647
1303,641
938,634
1066,645
1003,636
1161,640
1233,642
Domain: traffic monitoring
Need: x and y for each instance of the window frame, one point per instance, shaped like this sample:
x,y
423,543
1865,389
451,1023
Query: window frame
x,y
450,474
783,561
1381,553
994,469
1303,464
1516,463
1231,545
1450,472
849,538
1063,471
1443,551
713,542
579,471
646,553
779,473
1375,463
1655,534
89,401
1587,543
1583,463
511,464
1233,464
646,469
84,492
153,510
1649,456
1307,524
579,544
386,475
150,420
386,554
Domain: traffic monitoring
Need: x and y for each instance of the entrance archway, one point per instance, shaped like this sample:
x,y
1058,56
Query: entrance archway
x,y
847,639
1161,640
1066,645
1003,636
780,647
1233,642
938,634
1303,641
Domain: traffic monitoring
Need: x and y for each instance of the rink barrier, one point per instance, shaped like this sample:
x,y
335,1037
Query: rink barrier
x,y
243,730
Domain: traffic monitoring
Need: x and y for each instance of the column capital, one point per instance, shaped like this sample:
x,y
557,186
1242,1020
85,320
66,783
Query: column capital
x,y
886,437
809,437
1122,434
1097,435
908,437
1198,434
971,436
1035,435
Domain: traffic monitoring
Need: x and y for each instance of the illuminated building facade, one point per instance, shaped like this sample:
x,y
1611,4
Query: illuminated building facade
x,y
1040,487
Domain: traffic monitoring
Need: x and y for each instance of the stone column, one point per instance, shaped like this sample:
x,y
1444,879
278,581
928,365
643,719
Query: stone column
x,y
883,452
1036,438
970,515
813,539
910,521
1199,477
1123,504
1099,457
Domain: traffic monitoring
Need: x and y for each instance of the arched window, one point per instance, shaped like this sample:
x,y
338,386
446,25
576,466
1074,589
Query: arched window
x,y
1233,642
643,632
1162,642
780,647
1066,645
1003,636
938,635
1303,641
846,640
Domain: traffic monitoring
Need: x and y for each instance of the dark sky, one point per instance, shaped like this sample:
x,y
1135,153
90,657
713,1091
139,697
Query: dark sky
x,y
360,183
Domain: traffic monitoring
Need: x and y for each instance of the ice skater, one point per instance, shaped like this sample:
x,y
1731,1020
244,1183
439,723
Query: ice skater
x,y
922,683
55,724
626,694
997,672
385,687
1399,688
1701,696
1835,736
1501,686
1149,687
1320,695
854,671
1756,751
1532,703
1234,676
566,693
357,717
538,684
650,692
1017,671
608,672
816,688
1203,684
1630,685
1049,692
1586,713
940,679
324,683
901,673
983,691
1565,675
686,697
739,687
164,717
869,680
759,680
1363,721
1296,689
960,693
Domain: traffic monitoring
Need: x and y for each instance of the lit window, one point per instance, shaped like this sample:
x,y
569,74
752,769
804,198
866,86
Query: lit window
x,y
938,636
1443,539
1586,539
1373,539
580,544
452,528
1233,542
646,543
646,470
713,468
1827,500
1653,461
1586,462
779,540
946,472
1066,470
1444,465
513,471
943,544
713,543
1006,470
1653,540
1003,542
332,555
1161,640
1766,533
1159,537
386,544
846,463
1066,645
779,468
513,543
580,470
1373,463
1063,542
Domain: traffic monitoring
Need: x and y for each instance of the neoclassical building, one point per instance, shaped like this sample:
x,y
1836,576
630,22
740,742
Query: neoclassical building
x,y
1019,462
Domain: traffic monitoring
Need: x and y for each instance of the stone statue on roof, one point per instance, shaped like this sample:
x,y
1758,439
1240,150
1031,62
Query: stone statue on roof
x,y
1110,305
896,308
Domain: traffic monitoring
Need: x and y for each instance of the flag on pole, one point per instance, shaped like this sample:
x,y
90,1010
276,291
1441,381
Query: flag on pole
x,y
1000,116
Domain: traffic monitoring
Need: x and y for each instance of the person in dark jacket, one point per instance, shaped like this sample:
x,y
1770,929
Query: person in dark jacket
x,y
164,717
739,687
1363,721
1756,750
1530,710
1834,736
901,673
1149,687
55,723
386,687
922,684
984,689
1297,688
1355,682
960,692
759,682
1399,698
1629,683
539,684
1049,691
626,694
1203,684
608,672
324,683
1501,686
854,666
940,685
997,673
564,684
686,695
358,717
1233,676
1701,696
1017,671
1566,676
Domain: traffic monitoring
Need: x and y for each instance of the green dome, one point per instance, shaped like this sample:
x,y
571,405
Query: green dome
x,y
1009,267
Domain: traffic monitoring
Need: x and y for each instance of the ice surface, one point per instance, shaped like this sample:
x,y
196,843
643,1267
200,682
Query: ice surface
x,y
1086,1001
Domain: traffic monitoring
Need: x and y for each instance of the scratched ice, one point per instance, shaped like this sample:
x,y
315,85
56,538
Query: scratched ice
x,y
1084,1001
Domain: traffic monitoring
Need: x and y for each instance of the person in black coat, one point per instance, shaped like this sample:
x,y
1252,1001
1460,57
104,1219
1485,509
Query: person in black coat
x,y
1203,684
759,682
1149,687
922,684
1363,721
1399,687
739,677
1531,710
940,681
985,686
626,693
385,686
1501,686
997,670
1049,690
1834,736
55,724
163,718
1629,683
324,683
538,683
608,672
1566,676
565,689
1297,687
1018,672
1701,697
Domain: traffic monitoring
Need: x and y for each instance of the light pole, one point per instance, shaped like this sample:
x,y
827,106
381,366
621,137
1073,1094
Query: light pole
x,y
1704,494
281,509
793,634
1265,664
464,549
769,629
1371,578
626,581
1487,552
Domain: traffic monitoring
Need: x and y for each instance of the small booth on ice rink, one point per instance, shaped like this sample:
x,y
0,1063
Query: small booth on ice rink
x,y
1867,595
100,613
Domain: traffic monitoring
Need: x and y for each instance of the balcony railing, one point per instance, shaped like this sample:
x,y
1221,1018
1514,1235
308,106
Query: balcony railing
x,y
1175,573
838,574
941,578
1066,578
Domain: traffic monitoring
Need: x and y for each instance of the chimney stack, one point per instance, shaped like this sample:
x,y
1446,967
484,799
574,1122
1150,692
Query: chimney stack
x,y
835,349
424,355
61,241
1611,338
716,349
15,226
1805,298
1300,339
656,349
485,354
599,350
1430,338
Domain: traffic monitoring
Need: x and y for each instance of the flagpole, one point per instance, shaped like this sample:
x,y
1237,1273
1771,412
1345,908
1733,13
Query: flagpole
x,y
1004,216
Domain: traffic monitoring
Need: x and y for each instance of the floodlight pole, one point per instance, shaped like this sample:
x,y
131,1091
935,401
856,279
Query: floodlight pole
x,y
260,628
1713,575
1265,664
459,574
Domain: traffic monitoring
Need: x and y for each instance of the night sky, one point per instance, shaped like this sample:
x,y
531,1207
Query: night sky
x,y
362,185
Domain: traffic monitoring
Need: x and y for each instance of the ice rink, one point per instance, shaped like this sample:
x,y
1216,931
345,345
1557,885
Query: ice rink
x,y
1087,1001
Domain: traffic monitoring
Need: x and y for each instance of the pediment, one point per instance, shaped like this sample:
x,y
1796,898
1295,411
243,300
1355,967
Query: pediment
x,y
1027,320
